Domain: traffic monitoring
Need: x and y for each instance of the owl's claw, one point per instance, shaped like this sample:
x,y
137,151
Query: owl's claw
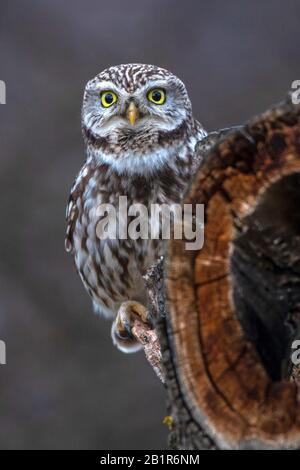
x,y
122,326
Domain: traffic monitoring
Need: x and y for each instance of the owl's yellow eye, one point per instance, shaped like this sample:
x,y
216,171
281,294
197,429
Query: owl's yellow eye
x,y
108,98
157,96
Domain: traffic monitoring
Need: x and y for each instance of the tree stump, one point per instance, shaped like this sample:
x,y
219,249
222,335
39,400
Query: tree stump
x,y
232,308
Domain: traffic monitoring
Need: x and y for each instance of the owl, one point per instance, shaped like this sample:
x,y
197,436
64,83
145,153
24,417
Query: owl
x,y
140,137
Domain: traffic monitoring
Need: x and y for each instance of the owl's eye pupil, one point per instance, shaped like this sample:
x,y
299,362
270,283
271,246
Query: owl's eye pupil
x,y
109,98
156,95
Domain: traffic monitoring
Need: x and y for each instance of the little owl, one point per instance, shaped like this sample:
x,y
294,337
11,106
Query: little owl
x,y
140,137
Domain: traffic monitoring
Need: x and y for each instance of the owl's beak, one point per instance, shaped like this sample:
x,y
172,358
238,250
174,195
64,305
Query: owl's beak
x,y
132,113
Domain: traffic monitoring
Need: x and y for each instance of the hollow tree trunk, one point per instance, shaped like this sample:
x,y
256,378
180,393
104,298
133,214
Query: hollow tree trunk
x,y
233,307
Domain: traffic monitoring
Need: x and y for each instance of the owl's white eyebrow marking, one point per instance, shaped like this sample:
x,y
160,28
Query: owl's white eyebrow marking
x,y
103,85
157,83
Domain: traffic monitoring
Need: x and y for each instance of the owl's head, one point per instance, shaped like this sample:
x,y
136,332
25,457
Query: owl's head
x,y
135,111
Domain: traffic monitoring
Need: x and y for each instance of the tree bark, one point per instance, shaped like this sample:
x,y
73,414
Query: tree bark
x,y
228,313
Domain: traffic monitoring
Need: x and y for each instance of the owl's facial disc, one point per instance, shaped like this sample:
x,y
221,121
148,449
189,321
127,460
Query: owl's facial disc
x,y
114,113
136,117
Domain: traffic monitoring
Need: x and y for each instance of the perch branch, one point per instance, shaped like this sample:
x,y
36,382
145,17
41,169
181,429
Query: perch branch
x,y
149,340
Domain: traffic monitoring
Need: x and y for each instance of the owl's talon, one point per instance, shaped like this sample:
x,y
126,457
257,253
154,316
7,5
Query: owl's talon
x,y
122,325
123,335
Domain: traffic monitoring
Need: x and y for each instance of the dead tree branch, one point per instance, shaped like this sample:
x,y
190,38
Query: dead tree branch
x,y
232,309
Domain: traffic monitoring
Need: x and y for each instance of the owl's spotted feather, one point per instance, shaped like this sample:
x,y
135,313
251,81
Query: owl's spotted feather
x,y
150,162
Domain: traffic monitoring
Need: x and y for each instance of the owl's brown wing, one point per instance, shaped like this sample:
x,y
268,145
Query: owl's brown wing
x,y
71,217
72,209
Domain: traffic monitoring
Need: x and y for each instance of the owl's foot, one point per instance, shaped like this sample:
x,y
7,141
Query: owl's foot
x,y
122,326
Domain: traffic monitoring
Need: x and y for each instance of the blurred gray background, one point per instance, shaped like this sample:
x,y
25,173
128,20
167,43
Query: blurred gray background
x,y
64,385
